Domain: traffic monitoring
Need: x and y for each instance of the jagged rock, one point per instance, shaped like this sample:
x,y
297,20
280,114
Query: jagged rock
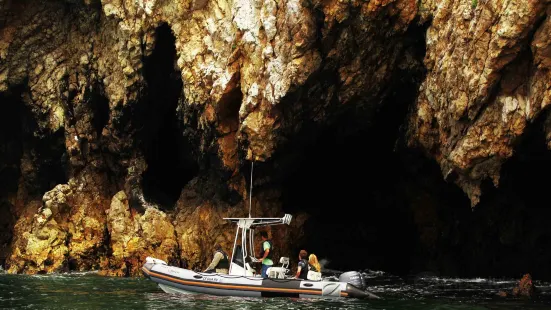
x,y
257,77
525,287
66,229
133,237
487,80
251,77
44,249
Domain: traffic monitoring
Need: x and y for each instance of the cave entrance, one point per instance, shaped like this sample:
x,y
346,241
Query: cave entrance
x,y
11,151
366,193
167,153
48,154
511,223
348,185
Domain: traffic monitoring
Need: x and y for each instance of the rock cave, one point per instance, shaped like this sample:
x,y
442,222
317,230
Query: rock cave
x,y
378,126
167,153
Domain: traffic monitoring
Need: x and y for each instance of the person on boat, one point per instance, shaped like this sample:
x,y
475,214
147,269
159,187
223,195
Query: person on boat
x,y
265,254
302,270
220,262
313,263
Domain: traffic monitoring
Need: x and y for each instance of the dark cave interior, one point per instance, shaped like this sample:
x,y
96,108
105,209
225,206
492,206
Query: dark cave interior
x,y
514,217
100,107
353,179
11,151
167,153
50,161
46,159
390,209
355,187
377,205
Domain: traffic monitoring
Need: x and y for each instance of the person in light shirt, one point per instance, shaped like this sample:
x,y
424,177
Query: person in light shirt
x,y
265,254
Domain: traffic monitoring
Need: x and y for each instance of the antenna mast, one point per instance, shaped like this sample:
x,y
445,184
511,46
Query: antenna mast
x,y
251,190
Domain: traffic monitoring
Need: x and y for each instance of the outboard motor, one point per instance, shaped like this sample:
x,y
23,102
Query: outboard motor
x,y
355,278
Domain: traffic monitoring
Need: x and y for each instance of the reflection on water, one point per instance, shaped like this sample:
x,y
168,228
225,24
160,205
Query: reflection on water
x,y
89,291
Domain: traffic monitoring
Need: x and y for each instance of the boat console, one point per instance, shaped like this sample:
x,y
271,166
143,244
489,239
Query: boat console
x,y
279,272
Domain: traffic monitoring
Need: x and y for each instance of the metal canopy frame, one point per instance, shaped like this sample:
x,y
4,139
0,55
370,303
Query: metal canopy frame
x,y
247,225
260,221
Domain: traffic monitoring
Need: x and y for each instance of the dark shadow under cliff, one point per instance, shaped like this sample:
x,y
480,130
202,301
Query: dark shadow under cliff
x,y
374,203
379,207
509,231
11,151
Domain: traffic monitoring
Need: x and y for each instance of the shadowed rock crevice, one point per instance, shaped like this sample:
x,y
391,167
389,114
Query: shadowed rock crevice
x,y
352,178
48,158
37,156
100,107
515,239
228,110
169,166
11,148
507,234
11,151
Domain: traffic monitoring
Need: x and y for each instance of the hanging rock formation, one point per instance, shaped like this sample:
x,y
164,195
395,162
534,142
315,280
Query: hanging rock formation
x,y
487,80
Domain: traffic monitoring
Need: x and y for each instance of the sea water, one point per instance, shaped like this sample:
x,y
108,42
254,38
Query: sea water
x,y
90,291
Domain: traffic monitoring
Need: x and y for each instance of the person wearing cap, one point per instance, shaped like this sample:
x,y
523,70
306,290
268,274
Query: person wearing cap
x,y
302,270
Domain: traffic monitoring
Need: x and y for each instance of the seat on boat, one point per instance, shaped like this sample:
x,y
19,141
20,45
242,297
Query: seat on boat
x,y
279,272
237,264
313,275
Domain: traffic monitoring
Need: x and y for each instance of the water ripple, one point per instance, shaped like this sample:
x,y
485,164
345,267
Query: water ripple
x,y
90,291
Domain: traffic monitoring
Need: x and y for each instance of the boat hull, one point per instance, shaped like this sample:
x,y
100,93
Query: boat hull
x,y
177,280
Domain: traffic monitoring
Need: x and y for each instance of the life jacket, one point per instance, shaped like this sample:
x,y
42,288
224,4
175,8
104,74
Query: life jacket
x,y
304,269
271,249
223,263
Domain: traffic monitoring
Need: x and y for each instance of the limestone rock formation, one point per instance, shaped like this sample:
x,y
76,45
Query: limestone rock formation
x,y
252,74
96,86
67,229
487,80
133,237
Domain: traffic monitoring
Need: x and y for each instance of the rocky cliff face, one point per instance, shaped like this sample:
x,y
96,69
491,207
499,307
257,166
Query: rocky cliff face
x,y
488,77
128,126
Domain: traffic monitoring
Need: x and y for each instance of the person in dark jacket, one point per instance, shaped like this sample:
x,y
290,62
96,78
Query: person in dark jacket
x,y
220,262
302,270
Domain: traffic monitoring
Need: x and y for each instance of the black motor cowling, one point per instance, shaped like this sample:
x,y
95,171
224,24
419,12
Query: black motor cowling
x,y
355,278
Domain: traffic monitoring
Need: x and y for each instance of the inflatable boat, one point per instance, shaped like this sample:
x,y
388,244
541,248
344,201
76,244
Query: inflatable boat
x,y
242,280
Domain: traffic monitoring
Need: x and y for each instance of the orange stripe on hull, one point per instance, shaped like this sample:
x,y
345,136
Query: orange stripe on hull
x,y
238,287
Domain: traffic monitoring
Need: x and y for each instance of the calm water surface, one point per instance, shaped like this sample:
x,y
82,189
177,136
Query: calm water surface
x,y
89,291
